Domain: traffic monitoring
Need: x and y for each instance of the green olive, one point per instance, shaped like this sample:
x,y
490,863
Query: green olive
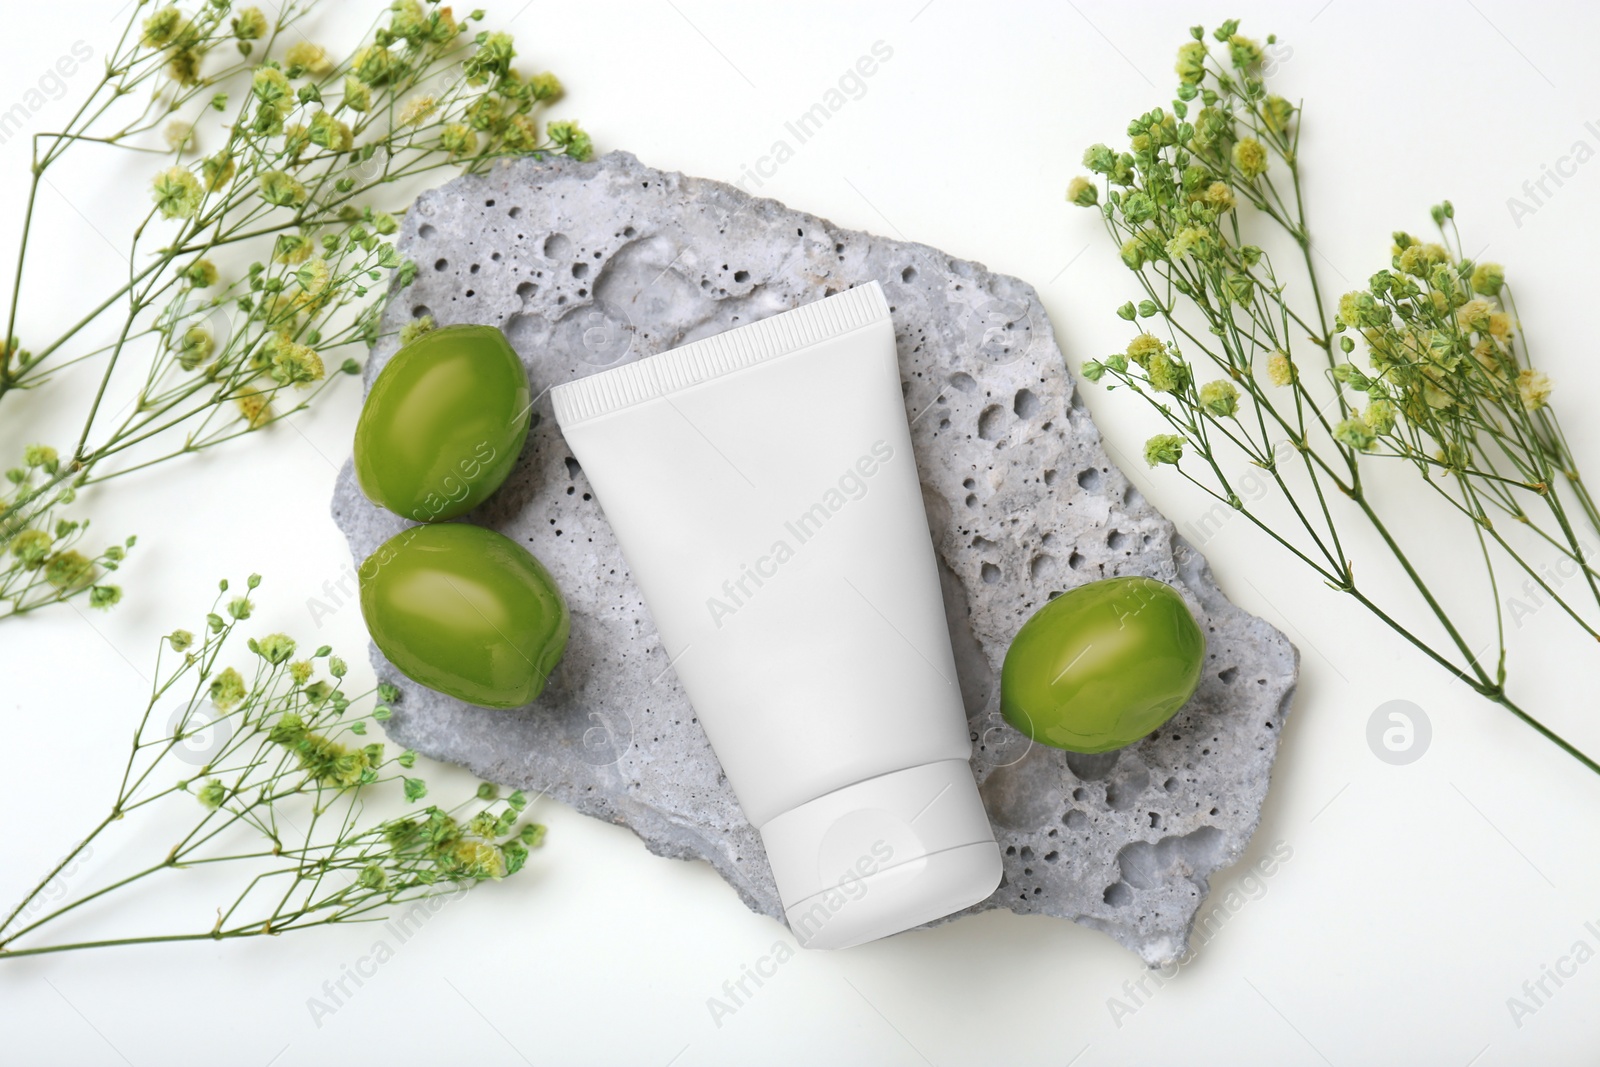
x,y
443,424
465,611
1101,666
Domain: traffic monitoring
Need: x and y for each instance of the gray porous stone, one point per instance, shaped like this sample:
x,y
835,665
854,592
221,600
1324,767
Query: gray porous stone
x,y
585,266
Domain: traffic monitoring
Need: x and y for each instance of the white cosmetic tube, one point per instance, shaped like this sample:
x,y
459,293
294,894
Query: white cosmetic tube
x,y
762,486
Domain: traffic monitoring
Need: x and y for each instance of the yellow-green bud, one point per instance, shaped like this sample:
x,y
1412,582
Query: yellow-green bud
x,y
213,793
357,97
162,27
1280,371
415,329
570,138
1133,253
31,547
303,57
1191,65
457,139
545,87
179,136
1276,113
1250,158
1220,397
417,109
374,65
1166,374
249,24
201,274
1380,416
1163,448
1243,52
195,346
217,170
184,67
330,133
1218,197
279,189
1190,239
1142,347
1534,388
271,86
1474,314
1487,278
227,689
177,193
295,364
1355,433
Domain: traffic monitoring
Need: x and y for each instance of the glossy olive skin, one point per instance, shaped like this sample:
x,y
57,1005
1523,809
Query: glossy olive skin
x,y
1102,665
465,611
443,424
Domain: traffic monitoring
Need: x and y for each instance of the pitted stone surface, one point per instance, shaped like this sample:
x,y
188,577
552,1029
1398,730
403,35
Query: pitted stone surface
x,y
589,265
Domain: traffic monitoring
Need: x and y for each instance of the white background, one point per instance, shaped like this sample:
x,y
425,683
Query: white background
x,y
1417,899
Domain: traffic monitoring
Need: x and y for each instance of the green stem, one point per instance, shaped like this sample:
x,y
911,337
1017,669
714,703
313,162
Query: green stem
x,y
47,879
1492,691
16,953
1499,697
1421,586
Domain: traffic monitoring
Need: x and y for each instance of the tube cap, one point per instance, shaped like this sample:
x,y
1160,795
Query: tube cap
x,y
883,855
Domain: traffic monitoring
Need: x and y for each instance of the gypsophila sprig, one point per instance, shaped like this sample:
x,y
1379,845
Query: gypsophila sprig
x,y
279,803
258,261
41,562
1425,365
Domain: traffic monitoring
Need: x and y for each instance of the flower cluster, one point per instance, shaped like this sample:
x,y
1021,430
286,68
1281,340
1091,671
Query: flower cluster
x,y
298,131
1446,371
1171,201
286,165
1240,371
42,563
435,846
280,799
